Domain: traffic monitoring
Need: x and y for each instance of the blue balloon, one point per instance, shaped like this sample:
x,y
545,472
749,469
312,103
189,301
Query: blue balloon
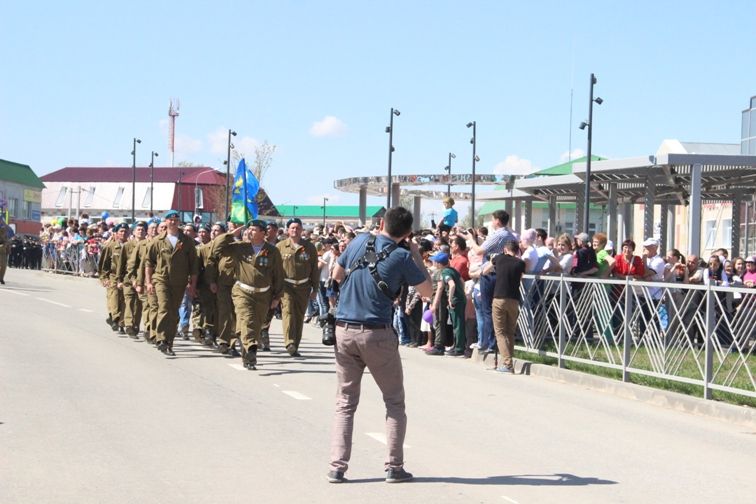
x,y
105,215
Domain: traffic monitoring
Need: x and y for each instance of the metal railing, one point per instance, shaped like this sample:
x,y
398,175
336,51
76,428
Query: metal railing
x,y
72,259
701,335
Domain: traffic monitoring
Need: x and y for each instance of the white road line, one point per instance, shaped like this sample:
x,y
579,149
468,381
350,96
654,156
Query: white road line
x,y
296,395
277,385
381,437
238,367
86,310
509,500
53,302
14,292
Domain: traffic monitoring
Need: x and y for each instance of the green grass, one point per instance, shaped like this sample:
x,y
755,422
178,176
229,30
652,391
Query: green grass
x,y
641,360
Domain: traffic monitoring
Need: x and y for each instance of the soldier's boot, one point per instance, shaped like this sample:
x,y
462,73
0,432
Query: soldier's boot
x,y
265,340
132,333
250,358
222,348
165,348
209,340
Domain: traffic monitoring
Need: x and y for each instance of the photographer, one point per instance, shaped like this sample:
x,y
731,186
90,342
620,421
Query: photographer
x,y
371,272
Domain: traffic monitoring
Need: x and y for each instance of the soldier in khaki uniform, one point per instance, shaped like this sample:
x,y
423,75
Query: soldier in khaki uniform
x,y
170,270
4,249
220,272
300,261
108,272
204,310
271,236
126,277
149,301
259,274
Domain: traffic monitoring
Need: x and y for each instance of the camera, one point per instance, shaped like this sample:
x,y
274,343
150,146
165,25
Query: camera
x,y
328,324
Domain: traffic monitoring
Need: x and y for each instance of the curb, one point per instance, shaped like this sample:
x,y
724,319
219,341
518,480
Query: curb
x,y
740,415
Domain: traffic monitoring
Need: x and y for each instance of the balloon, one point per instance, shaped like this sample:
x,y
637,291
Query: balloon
x,y
105,215
428,316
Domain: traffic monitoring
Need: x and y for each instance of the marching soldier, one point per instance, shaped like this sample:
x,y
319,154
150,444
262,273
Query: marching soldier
x,y
126,278
5,246
108,273
204,312
170,270
259,279
300,260
149,300
220,272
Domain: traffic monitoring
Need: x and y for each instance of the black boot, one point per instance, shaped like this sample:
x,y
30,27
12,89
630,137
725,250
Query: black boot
x,y
250,358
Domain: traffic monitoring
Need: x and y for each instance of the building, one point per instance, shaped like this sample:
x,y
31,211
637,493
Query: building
x,y
20,197
331,214
748,131
196,190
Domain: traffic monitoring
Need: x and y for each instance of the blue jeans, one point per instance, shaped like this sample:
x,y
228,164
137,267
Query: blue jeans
x,y
400,326
487,283
185,312
478,316
322,300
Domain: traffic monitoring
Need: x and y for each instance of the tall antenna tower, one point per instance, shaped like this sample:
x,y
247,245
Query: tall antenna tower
x,y
173,113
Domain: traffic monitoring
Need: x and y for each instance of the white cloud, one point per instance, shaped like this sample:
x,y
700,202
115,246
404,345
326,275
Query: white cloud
x,y
514,165
218,141
566,155
329,126
187,146
333,199
244,145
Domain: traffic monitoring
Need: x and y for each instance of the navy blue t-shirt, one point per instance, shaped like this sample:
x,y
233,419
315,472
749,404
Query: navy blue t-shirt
x,y
360,299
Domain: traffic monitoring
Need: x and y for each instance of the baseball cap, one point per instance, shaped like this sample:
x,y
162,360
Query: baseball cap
x,y
751,259
651,242
583,237
440,257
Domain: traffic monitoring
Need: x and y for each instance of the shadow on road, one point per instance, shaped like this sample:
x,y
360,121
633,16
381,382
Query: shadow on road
x,y
559,479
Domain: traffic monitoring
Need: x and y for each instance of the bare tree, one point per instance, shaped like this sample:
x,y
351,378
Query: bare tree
x,y
263,159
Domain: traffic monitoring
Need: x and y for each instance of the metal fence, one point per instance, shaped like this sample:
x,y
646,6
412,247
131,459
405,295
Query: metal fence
x,y
73,259
702,335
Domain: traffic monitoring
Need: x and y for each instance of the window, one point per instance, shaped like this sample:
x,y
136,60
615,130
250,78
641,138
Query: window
x,y
28,210
727,231
198,200
13,207
61,197
147,198
710,227
90,197
118,197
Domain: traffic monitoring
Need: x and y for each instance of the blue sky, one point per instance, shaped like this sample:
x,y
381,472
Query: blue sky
x,y
317,79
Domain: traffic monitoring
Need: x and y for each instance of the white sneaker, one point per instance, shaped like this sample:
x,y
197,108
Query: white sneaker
x,y
474,346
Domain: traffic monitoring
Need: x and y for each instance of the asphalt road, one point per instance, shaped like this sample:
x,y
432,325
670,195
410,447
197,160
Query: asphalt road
x,y
87,416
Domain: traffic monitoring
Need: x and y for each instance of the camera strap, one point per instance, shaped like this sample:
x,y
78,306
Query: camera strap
x,y
370,260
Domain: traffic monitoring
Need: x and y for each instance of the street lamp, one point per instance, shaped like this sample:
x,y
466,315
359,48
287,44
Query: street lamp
x,y
475,159
390,131
324,212
133,177
448,171
153,155
196,192
228,172
589,124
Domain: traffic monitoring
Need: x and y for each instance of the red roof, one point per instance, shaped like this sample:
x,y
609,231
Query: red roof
x,y
187,175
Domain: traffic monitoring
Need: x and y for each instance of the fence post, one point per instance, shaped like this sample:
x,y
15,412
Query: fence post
x,y
627,340
709,348
562,318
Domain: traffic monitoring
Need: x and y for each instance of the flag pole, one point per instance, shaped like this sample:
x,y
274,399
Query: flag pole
x,y
244,175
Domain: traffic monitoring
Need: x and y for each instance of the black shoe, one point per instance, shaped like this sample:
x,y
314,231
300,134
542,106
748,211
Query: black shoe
x,y
2,282
185,335
308,319
291,349
266,349
233,352
209,342
109,321
435,351
223,348
397,475
121,330
336,477
114,326
250,359
165,348
454,353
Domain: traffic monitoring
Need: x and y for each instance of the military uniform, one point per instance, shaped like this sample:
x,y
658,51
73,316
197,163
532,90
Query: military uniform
x,y
205,311
259,279
5,246
132,315
220,271
172,267
148,301
108,272
300,263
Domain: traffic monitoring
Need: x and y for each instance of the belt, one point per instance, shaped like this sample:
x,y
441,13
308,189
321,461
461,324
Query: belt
x,y
361,327
297,282
250,289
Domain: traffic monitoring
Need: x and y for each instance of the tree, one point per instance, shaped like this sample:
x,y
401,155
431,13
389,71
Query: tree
x,y
263,159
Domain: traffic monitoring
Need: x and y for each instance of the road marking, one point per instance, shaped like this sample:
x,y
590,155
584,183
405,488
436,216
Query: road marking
x,y
14,292
53,302
238,367
277,385
86,310
296,395
381,438
510,500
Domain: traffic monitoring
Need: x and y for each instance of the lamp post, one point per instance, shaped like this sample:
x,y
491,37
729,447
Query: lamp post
x,y
475,159
228,173
196,194
448,171
153,155
390,131
324,212
589,123
133,177
178,188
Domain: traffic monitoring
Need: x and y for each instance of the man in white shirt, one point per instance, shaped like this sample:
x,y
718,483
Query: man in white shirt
x,y
654,264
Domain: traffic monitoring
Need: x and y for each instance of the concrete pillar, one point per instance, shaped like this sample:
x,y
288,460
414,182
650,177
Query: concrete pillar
x,y
396,192
363,205
579,209
746,233
737,203
518,216
416,213
672,227
552,216
648,208
694,231
611,221
509,209
528,211
663,234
